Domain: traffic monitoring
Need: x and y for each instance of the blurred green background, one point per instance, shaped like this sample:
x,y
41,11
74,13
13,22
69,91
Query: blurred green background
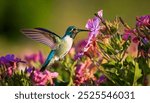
x,y
57,15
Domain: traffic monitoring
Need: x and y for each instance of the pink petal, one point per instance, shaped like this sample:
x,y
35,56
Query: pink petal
x,y
125,36
89,24
135,39
54,74
100,13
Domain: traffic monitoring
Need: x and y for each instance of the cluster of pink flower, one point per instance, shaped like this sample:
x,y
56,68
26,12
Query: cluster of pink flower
x,y
37,77
41,78
94,26
86,69
140,35
9,63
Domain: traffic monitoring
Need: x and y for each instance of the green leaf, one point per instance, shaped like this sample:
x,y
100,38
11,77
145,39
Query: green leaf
x,y
129,59
110,64
126,44
144,65
137,73
102,46
59,78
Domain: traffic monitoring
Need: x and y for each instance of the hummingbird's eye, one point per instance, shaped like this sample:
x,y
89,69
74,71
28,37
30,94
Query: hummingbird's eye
x,y
73,30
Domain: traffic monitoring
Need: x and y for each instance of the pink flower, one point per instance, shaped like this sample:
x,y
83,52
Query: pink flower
x,y
94,26
10,71
100,13
35,58
10,63
43,78
143,21
130,33
87,49
85,72
79,49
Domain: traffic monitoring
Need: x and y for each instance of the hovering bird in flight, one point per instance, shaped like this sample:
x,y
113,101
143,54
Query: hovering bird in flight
x,y
60,46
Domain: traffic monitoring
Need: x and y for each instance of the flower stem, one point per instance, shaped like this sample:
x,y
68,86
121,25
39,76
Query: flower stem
x,y
123,23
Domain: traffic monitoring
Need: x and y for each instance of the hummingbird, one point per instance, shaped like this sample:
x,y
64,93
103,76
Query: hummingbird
x,y
60,46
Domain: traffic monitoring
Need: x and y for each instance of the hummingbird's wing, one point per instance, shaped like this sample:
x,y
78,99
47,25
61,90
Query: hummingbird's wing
x,y
43,36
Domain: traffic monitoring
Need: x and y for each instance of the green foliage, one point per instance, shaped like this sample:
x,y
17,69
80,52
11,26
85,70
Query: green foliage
x,y
66,70
19,78
118,66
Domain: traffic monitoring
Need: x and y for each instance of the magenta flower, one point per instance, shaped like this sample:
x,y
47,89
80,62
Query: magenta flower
x,y
143,21
10,71
79,49
10,63
130,33
34,59
43,78
89,49
85,71
94,26
126,36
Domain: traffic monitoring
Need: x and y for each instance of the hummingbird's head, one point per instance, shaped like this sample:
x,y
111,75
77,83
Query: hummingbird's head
x,y
72,31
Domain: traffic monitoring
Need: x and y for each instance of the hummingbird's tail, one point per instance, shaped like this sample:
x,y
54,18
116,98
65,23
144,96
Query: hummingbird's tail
x,y
49,58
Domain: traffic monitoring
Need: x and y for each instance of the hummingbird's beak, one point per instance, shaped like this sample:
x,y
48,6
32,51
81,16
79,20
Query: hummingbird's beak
x,y
83,30
76,31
